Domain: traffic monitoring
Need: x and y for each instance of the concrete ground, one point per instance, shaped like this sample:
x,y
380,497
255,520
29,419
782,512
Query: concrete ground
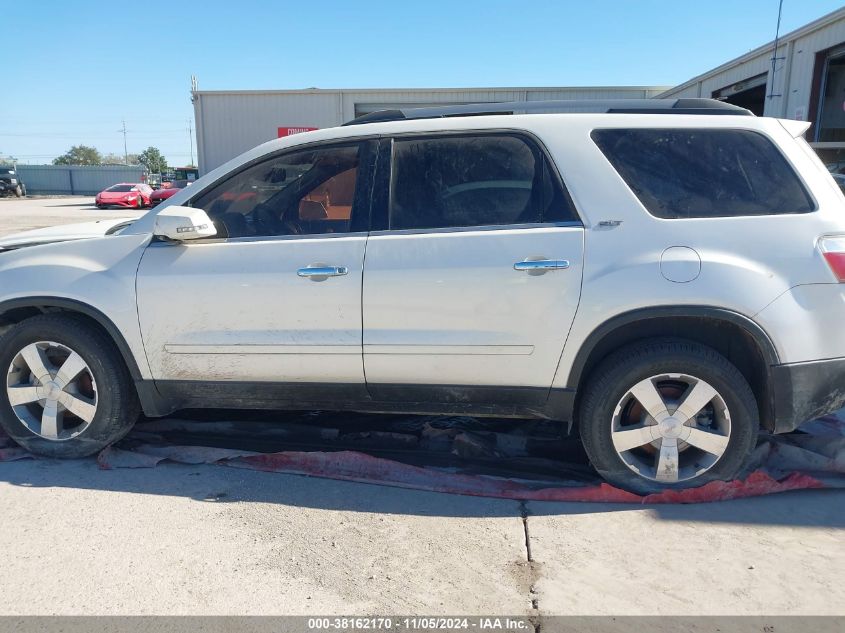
x,y
214,540
23,214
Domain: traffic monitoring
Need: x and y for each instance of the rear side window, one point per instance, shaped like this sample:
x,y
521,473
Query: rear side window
x,y
464,181
679,173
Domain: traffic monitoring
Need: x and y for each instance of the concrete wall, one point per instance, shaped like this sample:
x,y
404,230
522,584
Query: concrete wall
x,y
231,122
791,84
76,179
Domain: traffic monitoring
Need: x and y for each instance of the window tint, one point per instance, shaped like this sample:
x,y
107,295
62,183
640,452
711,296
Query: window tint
x,y
704,173
301,193
460,181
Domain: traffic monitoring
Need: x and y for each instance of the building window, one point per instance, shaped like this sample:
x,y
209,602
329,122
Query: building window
x,y
831,115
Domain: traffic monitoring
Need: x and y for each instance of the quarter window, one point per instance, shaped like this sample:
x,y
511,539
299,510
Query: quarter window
x,y
301,193
462,181
680,173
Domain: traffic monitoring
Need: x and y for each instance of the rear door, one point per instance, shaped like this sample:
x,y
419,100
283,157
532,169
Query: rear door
x,y
472,281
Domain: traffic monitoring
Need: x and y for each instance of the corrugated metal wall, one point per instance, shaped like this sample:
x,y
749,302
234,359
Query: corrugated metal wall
x,y
790,89
231,122
76,179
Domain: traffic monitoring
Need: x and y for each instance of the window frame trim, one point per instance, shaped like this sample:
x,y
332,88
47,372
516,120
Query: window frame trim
x,y
383,179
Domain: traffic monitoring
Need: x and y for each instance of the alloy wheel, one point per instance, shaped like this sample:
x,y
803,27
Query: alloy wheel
x,y
671,427
52,390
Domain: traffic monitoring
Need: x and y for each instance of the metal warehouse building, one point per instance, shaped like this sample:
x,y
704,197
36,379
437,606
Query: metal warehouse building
x,y
229,122
800,76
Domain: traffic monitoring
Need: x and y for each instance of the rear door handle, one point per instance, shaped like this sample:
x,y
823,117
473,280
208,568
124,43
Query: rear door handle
x,y
542,264
319,273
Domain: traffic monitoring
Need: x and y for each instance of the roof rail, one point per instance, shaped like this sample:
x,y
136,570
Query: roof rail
x,y
628,106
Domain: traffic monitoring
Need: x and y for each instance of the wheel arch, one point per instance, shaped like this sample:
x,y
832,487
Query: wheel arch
x,y
16,310
734,335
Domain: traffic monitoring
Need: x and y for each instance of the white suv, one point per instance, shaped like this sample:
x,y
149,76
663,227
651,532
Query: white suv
x,y
665,276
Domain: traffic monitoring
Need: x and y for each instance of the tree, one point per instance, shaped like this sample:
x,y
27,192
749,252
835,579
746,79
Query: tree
x,y
119,159
80,155
152,159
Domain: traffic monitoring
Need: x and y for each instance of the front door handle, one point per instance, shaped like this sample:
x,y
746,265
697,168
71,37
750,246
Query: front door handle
x,y
320,272
541,264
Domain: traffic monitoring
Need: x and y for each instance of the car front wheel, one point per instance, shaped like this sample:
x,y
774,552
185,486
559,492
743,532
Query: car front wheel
x,y
667,414
67,391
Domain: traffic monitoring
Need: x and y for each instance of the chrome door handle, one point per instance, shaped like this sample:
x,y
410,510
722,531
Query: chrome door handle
x,y
542,264
322,271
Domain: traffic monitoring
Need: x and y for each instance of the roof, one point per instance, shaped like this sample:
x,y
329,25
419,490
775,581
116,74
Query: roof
x,y
305,91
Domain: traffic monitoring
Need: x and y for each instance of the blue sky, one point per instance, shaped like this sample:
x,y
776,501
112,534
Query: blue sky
x,y
82,67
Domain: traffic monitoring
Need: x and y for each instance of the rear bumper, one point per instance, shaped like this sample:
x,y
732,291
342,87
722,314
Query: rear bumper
x,y
805,391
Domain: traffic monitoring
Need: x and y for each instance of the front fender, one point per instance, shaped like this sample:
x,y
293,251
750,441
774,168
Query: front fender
x,y
95,277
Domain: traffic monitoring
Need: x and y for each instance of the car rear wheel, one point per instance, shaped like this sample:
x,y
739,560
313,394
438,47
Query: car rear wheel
x,y
67,391
667,414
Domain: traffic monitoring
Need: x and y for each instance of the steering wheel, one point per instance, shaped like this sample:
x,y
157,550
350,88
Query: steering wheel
x,y
265,221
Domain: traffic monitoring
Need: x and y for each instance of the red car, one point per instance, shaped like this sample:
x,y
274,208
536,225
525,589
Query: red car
x,y
125,194
167,190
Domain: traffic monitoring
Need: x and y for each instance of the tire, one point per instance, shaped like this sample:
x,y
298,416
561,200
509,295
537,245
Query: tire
x,y
23,190
18,191
140,202
105,375
727,425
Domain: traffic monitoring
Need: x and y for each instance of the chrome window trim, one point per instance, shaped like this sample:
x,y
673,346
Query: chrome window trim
x,y
263,238
485,227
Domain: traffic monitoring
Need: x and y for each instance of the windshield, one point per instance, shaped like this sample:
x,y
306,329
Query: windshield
x,y
120,188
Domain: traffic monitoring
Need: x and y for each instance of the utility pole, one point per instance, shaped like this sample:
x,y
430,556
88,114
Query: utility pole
x,y
125,153
191,140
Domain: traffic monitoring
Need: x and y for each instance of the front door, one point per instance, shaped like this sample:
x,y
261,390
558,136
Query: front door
x,y
470,289
272,311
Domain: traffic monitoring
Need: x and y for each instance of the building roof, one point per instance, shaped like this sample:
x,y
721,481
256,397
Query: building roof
x,y
815,25
304,91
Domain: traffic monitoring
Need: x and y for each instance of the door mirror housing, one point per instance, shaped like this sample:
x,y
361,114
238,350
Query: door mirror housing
x,y
183,223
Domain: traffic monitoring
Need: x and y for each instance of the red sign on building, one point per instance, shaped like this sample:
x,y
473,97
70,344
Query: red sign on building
x,y
287,131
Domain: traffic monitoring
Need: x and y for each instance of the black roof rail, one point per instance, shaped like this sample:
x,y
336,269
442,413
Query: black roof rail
x,y
627,106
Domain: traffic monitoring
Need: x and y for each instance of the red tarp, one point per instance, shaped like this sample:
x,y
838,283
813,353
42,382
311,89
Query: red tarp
x,y
797,461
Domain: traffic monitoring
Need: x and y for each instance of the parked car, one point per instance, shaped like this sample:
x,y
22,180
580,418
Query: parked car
x,y
10,182
663,281
160,195
840,181
125,194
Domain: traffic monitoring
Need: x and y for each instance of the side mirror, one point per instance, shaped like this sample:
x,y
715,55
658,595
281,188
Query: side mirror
x,y
183,223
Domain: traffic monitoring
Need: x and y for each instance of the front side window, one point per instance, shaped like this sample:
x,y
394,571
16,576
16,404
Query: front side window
x,y
464,181
304,192
704,173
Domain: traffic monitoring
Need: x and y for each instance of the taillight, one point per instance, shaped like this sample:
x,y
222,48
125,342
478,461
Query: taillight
x,y
833,249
